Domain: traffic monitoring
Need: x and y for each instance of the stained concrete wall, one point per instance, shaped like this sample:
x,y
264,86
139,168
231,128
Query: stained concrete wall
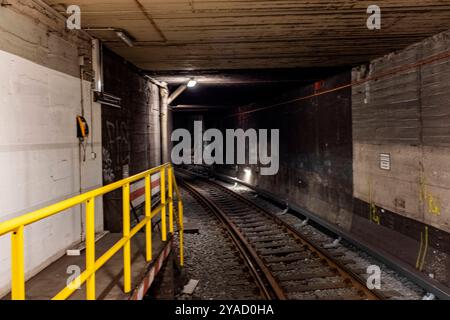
x,y
406,115
34,33
330,150
131,134
315,149
40,158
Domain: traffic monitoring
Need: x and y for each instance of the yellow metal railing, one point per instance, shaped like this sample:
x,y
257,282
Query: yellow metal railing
x,y
16,228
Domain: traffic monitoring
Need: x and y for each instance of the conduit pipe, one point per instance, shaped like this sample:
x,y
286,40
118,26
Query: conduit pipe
x,y
177,93
164,96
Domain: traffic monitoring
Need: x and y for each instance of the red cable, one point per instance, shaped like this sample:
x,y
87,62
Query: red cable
x,y
395,71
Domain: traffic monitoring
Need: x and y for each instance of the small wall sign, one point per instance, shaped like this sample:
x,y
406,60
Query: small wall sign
x,y
385,161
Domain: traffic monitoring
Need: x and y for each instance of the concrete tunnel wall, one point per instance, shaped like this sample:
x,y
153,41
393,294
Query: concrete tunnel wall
x,y
131,134
405,116
330,148
40,157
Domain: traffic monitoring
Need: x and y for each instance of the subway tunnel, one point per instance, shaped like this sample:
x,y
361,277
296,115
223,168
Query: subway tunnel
x,y
224,150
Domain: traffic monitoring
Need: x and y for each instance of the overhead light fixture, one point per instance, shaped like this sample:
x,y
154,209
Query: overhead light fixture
x,y
192,83
247,174
121,33
125,38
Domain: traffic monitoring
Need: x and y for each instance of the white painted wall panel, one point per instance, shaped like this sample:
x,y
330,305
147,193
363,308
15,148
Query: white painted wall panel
x,y
40,158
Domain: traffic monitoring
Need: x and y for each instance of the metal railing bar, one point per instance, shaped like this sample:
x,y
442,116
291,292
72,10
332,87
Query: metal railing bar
x,y
81,279
37,215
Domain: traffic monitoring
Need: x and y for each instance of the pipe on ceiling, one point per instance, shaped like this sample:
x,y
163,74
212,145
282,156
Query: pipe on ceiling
x,y
176,93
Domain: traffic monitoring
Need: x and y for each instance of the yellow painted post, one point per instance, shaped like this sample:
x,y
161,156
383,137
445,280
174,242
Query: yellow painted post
x,y
181,231
126,234
148,215
18,265
170,187
90,248
163,204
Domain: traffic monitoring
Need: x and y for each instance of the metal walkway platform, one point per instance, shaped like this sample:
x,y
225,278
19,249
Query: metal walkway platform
x,y
125,260
109,279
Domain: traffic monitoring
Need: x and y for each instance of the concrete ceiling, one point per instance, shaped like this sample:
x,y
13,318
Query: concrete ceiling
x,y
247,34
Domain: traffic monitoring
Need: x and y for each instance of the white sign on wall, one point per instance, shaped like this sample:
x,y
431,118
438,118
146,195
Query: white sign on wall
x,y
385,161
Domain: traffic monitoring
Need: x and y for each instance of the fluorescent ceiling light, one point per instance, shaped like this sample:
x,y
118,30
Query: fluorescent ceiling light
x,y
125,38
192,83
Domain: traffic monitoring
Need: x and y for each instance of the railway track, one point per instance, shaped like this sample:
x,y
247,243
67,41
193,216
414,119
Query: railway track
x,y
282,262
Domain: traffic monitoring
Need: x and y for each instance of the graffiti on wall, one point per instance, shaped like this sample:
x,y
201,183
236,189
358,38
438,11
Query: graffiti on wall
x,y
116,149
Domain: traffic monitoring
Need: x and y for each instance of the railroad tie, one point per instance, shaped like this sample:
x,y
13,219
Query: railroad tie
x,y
274,245
296,257
306,276
297,265
316,286
281,251
256,239
264,233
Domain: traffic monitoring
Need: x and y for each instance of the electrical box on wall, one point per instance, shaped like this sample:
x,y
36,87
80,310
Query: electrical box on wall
x,y
107,99
82,128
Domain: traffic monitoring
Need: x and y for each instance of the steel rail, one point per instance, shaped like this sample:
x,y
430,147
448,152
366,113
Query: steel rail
x,y
343,271
346,274
269,285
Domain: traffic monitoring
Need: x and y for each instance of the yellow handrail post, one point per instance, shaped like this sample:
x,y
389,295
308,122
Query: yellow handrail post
x,y
169,181
181,231
148,215
90,248
126,234
163,204
18,265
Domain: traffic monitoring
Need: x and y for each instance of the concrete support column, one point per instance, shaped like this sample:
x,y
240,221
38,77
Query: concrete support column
x,y
154,157
164,96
